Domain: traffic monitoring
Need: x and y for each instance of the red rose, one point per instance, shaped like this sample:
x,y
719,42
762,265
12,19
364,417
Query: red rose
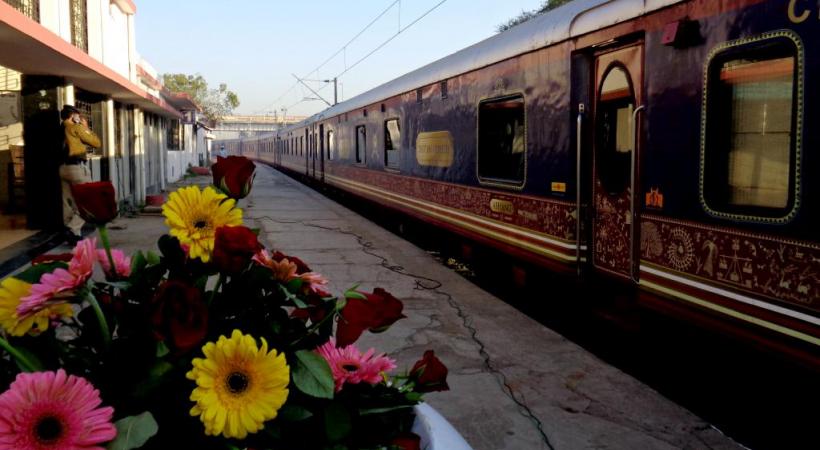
x,y
234,175
50,258
407,441
179,315
233,248
376,312
429,374
96,202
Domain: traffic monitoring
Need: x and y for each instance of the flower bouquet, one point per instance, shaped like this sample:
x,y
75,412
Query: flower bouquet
x,y
211,342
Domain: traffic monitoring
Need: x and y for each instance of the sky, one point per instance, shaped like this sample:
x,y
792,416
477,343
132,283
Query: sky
x,y
254,46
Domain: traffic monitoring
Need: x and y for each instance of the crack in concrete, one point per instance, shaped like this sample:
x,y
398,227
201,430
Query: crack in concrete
x,y
434,286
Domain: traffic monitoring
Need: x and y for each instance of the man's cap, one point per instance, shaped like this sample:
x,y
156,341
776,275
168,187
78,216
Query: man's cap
x,y
67,111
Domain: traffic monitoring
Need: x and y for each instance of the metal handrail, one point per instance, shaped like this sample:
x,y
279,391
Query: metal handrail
x,y
633,197
579,134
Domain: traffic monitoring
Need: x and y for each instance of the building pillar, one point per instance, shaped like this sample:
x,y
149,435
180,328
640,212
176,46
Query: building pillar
x,y
108,164
139,156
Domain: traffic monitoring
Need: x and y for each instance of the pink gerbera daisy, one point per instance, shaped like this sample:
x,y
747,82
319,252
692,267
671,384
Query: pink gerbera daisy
x,y
314,281
52,410
59,286
351,366
122,263
83,259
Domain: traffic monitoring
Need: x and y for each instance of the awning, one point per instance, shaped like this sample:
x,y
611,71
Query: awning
x,y
28,47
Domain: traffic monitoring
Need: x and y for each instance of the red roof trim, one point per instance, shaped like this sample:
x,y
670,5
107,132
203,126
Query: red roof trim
x,y
22,24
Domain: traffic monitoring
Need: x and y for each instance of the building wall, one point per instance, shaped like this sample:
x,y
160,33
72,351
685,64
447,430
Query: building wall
x,y
11,126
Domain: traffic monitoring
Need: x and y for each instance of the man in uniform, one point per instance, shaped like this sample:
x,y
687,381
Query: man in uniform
x,y
74,169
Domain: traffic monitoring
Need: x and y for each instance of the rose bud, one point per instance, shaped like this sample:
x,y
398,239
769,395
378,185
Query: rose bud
x,y
233,248
429,374
179,315
234,175
376,312
96,202
407,441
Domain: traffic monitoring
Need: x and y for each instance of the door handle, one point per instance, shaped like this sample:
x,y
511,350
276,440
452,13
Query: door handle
x,y
633,230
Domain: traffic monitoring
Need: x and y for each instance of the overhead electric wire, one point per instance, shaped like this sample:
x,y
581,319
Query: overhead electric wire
x,y
391,38
341,49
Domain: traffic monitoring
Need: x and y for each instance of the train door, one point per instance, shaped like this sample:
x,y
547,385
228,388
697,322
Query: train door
x,y
618,81
306,150
322,151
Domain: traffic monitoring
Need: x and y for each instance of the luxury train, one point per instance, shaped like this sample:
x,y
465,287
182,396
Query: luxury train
x,y
667,144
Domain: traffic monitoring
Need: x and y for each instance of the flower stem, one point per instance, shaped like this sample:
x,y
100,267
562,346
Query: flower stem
x,y
313,328
106,332
107,246
26,364
219,282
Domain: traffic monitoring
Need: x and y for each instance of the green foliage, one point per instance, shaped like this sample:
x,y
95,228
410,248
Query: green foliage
x,y
215,103
548,5
311,374
134,431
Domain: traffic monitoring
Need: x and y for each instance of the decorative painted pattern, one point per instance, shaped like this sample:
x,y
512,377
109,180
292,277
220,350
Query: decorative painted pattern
x,y
551,217
783,270
611,231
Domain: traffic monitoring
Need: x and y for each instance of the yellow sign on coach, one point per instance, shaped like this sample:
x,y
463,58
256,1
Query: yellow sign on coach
x,y
434,148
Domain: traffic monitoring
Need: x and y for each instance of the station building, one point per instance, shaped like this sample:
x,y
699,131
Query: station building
x,y
82,52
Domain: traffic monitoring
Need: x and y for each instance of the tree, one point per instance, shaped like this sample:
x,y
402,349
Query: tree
x,y
215,103
548,5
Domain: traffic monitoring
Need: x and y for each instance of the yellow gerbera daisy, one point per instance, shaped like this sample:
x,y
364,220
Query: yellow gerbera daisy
x,y
11,291
239,385
193,215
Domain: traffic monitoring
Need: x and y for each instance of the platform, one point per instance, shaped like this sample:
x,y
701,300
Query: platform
x,y
511,377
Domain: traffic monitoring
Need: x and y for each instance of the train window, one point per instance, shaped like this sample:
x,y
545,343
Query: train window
x,y
361,143
613,135
751,135
443,86
392,143
331,143
502,140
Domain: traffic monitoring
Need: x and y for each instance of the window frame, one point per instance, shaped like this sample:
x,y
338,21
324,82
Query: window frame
x,y
498,182
741,47
398,150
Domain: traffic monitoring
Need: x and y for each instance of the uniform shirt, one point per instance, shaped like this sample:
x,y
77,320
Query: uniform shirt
x,y
77,137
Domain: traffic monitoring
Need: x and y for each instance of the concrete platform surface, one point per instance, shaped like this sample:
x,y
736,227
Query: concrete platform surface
x,y
514,383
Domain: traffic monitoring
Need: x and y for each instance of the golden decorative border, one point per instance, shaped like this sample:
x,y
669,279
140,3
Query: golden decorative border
x,y
800,61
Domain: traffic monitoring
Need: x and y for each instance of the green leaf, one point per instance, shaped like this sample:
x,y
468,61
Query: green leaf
x,y
312,375
32,359
337,422
289,295
294,413
152,258
162,349
295,285
366,411
32,274
353,294
134,431
138,261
